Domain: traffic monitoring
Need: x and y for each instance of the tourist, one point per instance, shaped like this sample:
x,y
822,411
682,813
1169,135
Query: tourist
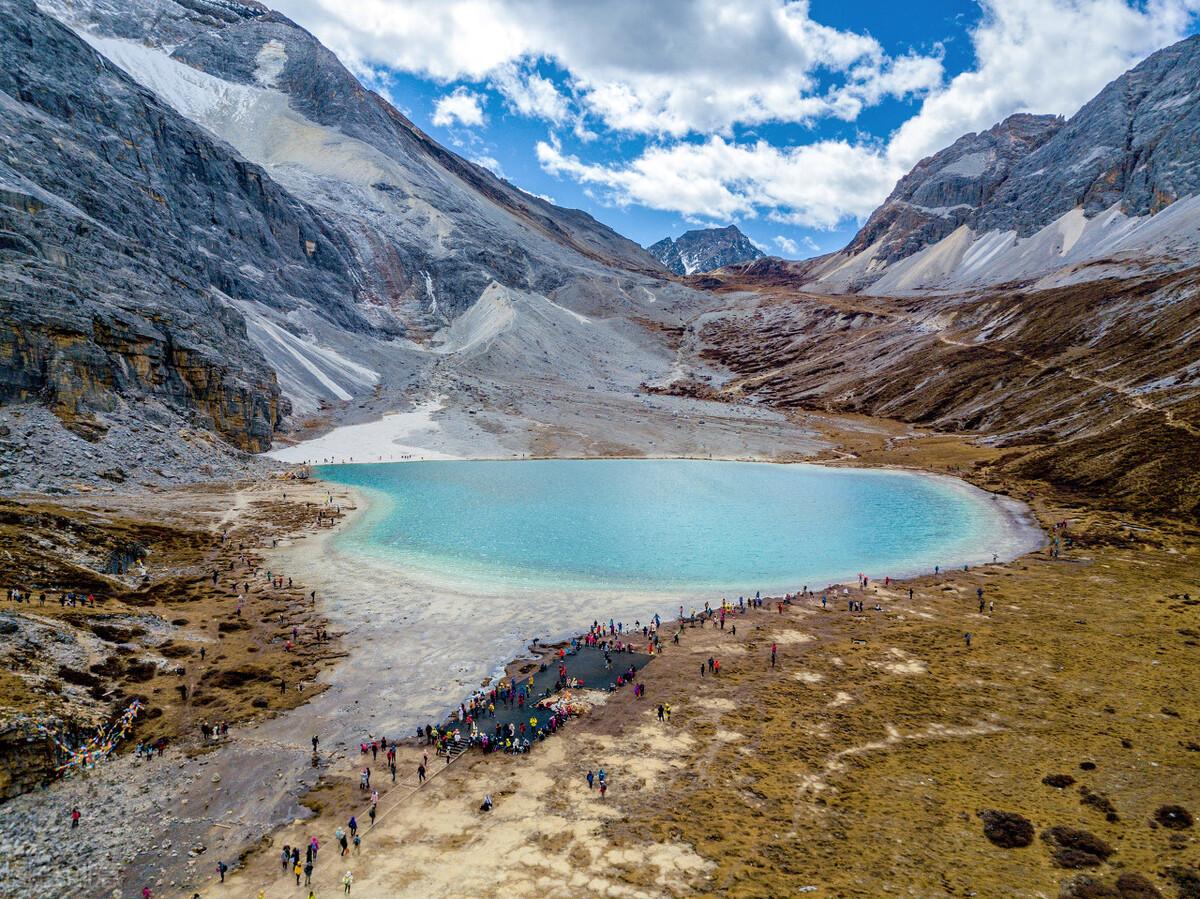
x,y
221,869
967,638
347,880
75,816
591,779
774,649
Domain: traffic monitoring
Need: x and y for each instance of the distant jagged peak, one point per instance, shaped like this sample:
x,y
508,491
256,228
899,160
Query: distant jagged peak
x,y
704,249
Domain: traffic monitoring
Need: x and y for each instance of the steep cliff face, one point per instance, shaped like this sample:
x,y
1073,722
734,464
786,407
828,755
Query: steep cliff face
x,y
426,231
949,188
122,229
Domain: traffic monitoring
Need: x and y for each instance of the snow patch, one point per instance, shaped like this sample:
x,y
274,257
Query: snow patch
x,y
971,165
395,437
269,63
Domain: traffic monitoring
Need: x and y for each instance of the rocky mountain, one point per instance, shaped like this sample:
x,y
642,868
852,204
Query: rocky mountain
x,y
1105,192
205,219
704,250
1033,286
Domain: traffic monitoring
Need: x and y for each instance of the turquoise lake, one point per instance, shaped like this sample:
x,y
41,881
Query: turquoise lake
x,y
667,525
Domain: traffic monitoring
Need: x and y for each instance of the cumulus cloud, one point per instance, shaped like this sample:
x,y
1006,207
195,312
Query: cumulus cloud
x,y
1031,56
788,246
692,75
461,106
491,163
814,185
529,94
672,67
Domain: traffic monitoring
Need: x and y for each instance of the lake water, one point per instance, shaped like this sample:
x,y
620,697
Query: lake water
x,y
681,526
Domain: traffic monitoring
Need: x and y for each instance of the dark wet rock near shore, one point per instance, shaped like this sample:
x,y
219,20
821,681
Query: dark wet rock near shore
x,y
1074,848
1007,830
1174,817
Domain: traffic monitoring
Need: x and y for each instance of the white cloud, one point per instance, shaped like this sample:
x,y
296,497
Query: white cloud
x,y
529,94
491,163
1031,55
814,185
685,72
672,67
461,106
787,245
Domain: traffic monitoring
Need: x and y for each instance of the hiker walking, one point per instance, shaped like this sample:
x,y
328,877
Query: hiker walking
x,y
774,649
347,880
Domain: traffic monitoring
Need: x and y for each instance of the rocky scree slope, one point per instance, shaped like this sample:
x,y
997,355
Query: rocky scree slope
x,y
427,230
704,249
205,217
1037,196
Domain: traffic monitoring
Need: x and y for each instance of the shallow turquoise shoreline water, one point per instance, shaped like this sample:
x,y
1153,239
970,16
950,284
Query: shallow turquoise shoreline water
x,y
677,526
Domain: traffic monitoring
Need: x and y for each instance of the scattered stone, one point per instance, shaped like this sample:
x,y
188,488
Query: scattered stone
x,y
1174,817
1008,830
1087,766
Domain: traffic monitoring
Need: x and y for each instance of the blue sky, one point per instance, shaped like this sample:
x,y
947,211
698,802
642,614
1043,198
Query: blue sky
x,y
792,119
